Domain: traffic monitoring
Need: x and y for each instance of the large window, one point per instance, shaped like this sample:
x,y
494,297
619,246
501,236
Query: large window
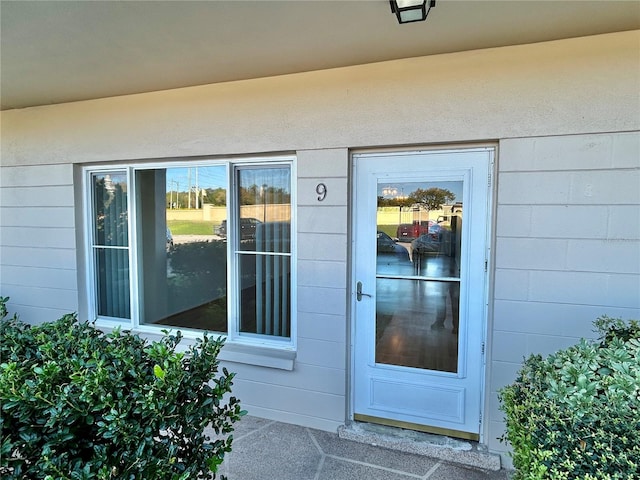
x,y
194,247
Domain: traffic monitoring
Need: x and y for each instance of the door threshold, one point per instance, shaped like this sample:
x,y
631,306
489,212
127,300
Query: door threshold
x,y
464,452
420,428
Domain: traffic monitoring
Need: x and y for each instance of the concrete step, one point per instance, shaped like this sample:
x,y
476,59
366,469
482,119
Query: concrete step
x,y
448,449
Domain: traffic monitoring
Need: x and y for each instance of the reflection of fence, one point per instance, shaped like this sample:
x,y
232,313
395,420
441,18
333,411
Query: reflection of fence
x,y
393,215
272,213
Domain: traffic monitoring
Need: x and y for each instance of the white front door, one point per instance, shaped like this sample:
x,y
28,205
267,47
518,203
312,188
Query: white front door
x,y
420,250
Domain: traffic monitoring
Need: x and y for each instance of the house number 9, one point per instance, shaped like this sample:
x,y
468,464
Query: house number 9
x,y
321,190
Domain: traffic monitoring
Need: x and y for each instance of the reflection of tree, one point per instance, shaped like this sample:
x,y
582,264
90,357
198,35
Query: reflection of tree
x,y
256,195
213,196
431,198
253,195
395,202
111,212
217,196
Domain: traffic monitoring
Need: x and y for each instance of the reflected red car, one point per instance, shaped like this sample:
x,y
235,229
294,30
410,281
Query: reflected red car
x,y
410,231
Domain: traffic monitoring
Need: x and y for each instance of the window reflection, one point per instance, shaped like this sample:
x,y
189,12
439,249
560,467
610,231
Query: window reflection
x,y
424,221
111,210
265,206
110,244
417,324
419,234
264,250
183,250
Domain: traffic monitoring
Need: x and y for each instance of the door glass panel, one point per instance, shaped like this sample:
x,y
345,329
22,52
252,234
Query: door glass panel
x,y
417,323
419,238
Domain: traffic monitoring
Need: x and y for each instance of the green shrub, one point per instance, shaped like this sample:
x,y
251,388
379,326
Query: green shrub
x,y
78,403
576,414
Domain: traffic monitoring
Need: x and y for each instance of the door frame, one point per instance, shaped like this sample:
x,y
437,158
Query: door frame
x,y
489,277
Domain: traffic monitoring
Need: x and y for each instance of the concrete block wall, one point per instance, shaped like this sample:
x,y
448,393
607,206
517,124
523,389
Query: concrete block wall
x,y
567,246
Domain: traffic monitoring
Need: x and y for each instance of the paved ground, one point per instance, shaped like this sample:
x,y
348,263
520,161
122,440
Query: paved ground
x,y
264,449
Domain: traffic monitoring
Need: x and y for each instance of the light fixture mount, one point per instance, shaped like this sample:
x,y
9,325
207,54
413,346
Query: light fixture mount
x,y
408,11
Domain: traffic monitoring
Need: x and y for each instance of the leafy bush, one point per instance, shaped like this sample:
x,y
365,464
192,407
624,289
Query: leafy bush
x,y
576,414
78,403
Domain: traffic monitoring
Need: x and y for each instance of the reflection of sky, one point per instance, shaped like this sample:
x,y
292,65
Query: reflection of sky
x,y
216,177
208,177
405,189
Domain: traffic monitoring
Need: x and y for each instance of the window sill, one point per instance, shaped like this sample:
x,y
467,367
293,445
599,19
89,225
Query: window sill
x,y
259,356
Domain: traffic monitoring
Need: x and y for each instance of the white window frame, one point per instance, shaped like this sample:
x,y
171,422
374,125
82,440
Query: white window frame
x,y
233,211
89,232
271,351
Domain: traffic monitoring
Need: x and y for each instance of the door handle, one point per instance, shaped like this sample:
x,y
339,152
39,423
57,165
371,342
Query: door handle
x,y
359,293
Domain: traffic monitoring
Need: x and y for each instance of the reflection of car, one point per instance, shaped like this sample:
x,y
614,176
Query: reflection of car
x,y
247,228
426,244
169,240
391,258
409,231
221,230
386,244
435,231
431,241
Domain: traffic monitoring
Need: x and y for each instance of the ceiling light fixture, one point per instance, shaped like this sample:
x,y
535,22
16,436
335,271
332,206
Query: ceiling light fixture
x,y
408,11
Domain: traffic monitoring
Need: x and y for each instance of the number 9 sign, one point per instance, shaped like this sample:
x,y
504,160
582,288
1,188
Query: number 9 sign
x,y
321,190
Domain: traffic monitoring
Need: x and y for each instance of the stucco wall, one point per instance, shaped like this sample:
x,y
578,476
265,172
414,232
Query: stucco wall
x,y
556,109
573,86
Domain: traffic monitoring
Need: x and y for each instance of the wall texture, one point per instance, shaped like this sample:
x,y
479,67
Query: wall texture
x,y
566,115
567,246
564,87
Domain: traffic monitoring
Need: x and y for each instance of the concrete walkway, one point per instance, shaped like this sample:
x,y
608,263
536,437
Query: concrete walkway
x,y
264,449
